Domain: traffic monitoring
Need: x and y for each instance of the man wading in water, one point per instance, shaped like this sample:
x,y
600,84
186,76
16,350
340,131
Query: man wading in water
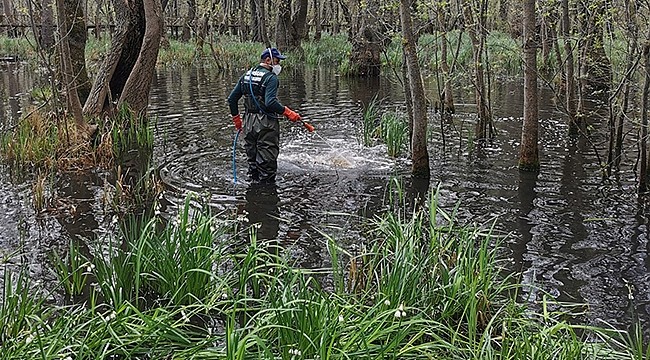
x,y
259,87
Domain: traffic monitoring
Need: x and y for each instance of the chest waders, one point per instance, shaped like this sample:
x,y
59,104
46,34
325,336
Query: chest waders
x,y
262,131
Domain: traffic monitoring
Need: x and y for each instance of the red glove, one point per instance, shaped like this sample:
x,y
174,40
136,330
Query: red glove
x,y
236,119
292,115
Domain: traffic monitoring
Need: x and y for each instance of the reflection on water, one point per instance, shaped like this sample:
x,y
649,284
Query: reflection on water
x,y
569,233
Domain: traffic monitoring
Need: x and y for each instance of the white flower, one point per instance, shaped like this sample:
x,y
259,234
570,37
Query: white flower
x,y
398,314
387,302
29,339
224,296
401,310
341,319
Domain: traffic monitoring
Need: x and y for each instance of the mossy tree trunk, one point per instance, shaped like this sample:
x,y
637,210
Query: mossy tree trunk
x,y
419,153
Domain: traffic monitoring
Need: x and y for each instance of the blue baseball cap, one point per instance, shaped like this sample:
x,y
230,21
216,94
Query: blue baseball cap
x,y
272,52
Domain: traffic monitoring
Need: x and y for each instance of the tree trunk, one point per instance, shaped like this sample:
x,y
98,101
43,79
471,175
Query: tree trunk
x,y
419,154
365,38
68,76
283,30
8,8
120,59
47,27
596,72
570,85
77,35
189,20
447,107
618,113
529,154
300,23
318,26
258,24
138,85
643,172
289,30
476,31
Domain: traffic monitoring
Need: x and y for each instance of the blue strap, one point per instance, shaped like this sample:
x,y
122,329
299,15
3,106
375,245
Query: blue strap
x,y
250,82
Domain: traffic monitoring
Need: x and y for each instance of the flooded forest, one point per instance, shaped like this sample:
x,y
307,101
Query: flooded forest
x,y
450,180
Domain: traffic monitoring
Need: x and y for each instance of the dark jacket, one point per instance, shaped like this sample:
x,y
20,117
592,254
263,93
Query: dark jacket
x,y
264,85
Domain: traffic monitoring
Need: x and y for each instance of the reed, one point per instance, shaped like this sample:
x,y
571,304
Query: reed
x,y
393,130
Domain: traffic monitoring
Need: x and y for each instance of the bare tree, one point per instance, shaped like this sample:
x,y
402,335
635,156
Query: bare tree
x,y
419,153
529,153
570,84
619,100
645,102
474,14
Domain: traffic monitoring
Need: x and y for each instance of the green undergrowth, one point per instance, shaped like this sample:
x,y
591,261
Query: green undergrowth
x,y
420,287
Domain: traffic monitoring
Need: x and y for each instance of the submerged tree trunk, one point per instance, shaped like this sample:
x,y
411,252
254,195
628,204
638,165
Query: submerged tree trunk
x,y
619,101
570,84
365,38
447,107
419,154
645,102
529,154
476,31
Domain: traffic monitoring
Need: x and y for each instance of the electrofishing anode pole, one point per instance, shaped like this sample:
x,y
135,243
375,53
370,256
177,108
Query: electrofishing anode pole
x,y
234,157
307,125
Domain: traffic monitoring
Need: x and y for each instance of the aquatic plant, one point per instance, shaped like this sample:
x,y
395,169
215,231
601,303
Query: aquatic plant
x,y
393,130
424,287
329,51
369,122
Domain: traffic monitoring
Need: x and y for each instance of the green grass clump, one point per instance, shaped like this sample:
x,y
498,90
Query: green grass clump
x,y
369,123
394,132
331,50
420,287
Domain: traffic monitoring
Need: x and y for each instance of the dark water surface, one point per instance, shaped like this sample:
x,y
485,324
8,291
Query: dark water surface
x,y
569,233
